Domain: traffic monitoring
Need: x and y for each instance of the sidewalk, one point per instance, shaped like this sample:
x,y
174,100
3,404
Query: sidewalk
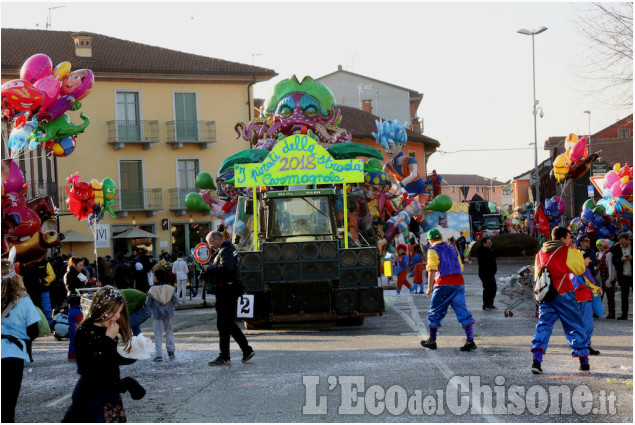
x,y
197,301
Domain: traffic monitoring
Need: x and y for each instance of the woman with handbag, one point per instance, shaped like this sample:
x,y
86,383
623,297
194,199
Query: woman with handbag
x,y
72,279
19,325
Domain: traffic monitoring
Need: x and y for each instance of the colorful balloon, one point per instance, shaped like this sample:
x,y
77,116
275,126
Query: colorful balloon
x,y
611,178
63,147
50,87
12,176
62,70
441,203
36,67
20,96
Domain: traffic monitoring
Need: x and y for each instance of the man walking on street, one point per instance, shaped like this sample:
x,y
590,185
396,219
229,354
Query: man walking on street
x,y
445,272
487,272
222,269
623,262
560,259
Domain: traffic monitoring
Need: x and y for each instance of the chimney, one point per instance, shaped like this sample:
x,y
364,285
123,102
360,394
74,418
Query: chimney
x,y
339,67
83,44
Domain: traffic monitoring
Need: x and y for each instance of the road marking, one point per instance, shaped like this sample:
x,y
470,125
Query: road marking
x,y
58,400
410,314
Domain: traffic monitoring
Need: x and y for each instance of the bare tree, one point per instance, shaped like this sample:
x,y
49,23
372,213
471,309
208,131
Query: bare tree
x,y
607,29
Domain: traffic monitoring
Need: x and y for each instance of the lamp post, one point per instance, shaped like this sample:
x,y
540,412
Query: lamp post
x,y
535,106
589,112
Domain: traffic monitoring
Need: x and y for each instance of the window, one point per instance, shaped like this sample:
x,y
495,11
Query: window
x,y
186,117
493,189
131,184
507,191
477,189
412,154
624,132
127,116
186,171
453,189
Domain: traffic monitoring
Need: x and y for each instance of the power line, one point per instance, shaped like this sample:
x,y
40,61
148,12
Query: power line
x,y
484,150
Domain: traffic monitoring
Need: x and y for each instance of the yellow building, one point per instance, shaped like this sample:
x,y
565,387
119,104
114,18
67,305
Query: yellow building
x,y
158,117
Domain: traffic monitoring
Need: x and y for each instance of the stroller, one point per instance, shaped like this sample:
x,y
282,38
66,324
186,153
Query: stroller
x,y
519,287
60,325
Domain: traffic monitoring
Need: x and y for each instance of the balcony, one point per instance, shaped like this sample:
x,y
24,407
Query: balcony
x,y
177,200
128,200
201,132
122,132
43,188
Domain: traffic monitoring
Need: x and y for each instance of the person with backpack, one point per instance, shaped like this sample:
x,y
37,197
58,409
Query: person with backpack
x,y
224,268
554,262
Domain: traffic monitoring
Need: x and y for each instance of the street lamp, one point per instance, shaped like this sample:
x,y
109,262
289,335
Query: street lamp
x,y
589,112
535,106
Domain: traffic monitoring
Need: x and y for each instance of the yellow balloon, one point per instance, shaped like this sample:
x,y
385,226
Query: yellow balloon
x,y
561,166
62,70
616,167
625,179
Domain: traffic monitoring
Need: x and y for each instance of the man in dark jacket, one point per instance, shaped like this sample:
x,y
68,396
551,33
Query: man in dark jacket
x,y
623,262
122,273
222,268
487,272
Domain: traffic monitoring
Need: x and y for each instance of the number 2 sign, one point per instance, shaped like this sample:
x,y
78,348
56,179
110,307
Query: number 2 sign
x,y
245,307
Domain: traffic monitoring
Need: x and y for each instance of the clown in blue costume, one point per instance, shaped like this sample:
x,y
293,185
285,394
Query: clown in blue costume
x,y
445,272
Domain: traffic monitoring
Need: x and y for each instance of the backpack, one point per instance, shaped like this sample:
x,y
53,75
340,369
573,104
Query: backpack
x,y
544,289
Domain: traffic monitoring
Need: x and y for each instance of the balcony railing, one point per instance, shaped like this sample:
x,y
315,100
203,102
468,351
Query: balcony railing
x,y
201,132
177,199
139,200
143,132
43,188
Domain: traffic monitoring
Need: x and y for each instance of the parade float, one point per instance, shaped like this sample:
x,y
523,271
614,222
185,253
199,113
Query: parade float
x,y
307,214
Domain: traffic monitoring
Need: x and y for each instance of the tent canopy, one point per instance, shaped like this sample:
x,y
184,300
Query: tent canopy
x,y
135,234
73,236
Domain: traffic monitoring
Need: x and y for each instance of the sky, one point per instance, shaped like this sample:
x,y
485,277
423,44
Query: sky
x,y
467,59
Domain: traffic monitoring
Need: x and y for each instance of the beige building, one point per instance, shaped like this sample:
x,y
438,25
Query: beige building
x,y
158,117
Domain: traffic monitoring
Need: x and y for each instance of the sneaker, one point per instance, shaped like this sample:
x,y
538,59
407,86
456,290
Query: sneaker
x,y
535,368
397,292
219,361
593,352
248,355
171,355
584,368
622,318
157,359
429,344
469,346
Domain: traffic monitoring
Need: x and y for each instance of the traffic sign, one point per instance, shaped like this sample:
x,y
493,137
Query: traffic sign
x,y
202,253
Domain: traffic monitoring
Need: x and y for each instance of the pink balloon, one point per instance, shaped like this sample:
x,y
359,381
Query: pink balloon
x,y
627,188
616,190
13,180
611,178
561,205
36,67
578,151
50,86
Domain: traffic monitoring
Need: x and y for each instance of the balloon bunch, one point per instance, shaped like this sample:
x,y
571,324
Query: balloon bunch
x,y
576,161
593,221
22,220
618,182
90,200
36,104
554,208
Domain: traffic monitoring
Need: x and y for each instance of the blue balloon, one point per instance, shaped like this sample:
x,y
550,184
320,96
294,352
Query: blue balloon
x,y
604,232
598,221
587,215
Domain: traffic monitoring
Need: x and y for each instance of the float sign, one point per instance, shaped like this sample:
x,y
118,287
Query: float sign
x,y
298,160
202,253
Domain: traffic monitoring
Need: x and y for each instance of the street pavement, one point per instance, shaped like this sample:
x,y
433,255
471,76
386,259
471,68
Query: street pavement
x,y
377,372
